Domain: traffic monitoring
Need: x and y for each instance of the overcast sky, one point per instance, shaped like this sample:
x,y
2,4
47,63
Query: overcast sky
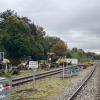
x,y
77,22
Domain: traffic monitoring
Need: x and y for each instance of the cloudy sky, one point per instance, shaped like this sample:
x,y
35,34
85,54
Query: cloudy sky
x,y
77,22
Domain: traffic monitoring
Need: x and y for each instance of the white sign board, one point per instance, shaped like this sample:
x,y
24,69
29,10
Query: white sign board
x,y
72,61
33,64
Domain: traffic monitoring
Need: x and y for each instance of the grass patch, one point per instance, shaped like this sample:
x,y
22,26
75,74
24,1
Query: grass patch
x,y
45,89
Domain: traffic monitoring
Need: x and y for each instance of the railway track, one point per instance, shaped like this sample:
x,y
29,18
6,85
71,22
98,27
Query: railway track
x,y
19,81
98,82
77,91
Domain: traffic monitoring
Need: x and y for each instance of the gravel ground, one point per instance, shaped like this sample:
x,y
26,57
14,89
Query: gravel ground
x,y
98,85
90,90
74,83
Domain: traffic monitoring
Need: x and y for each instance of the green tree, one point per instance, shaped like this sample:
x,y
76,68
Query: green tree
x,y
20,37
59,48
69,54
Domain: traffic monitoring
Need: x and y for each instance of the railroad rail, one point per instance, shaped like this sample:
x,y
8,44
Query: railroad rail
x,y
19,81
97,97
73,96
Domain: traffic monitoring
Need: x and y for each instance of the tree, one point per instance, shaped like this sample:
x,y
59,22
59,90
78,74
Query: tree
x,y
74,49
7,13
69,54
20,37
15,35
80,52
59,48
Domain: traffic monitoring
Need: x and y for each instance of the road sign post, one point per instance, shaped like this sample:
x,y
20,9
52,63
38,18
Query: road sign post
x,y
63,71
33,79
33,65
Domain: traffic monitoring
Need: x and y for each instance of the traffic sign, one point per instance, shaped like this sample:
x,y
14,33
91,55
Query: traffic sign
x,y
33,64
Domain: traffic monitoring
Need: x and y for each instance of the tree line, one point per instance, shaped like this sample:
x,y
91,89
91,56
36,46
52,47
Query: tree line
x,y
20,38
81,55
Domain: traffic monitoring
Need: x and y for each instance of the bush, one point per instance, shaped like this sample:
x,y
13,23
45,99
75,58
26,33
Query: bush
x,y
7,74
